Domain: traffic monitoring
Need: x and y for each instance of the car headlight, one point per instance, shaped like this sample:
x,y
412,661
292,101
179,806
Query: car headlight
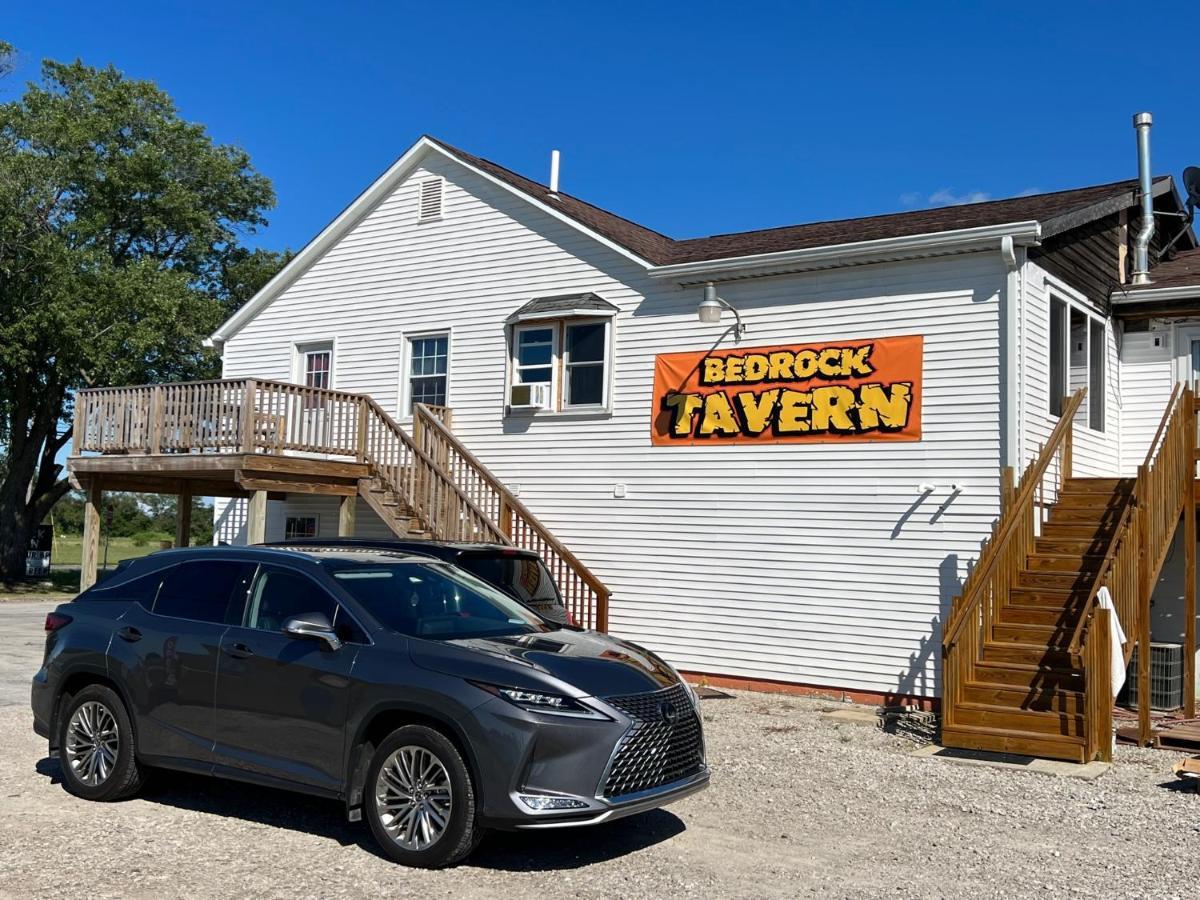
x,y
542,702
692,694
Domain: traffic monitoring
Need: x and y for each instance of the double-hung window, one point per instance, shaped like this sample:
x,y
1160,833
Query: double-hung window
x,y
1078,344
428,369
561,365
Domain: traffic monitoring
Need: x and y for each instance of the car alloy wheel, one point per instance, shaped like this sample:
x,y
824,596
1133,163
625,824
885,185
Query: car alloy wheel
x,y
414,796
93,743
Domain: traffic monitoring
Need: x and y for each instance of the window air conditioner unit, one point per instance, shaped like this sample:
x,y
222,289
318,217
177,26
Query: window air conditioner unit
x,y
529,396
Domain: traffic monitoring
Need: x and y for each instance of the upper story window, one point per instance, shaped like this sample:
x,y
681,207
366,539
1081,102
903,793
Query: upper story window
x,y
1078,359
561,350
316,365
428,369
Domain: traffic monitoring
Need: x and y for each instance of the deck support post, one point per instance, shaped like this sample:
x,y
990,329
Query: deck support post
x,y
183,516
90,557
346,510
1189,544
256,518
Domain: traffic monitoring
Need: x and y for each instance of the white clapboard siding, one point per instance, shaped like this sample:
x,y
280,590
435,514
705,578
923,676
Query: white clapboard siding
x,y
1097,454
1148,377
809,563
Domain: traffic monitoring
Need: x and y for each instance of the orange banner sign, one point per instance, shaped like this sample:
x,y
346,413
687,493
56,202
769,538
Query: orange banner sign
x,y
858,390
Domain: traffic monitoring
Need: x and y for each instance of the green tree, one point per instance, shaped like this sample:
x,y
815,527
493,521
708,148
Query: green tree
x,y
120,230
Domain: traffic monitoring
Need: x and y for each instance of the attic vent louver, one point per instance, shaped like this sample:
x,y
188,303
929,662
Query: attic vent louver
x,y
430,199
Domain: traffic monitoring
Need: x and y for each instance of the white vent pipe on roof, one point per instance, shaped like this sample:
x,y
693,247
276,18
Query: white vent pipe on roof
x,y
554,171
1141,247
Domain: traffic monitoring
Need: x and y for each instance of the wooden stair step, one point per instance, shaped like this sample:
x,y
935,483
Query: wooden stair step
x,y
1089,546
1047,597
1071,702
1082,515
1027,676
1100,485
1071,563
1066,615
1098,503
1077,531
1013,719
1028,654
1062,581
1002,740
1051,636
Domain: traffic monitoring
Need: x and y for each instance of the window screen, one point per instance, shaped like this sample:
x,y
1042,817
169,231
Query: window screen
x,y
206,591
1096,355
584,364
1058,355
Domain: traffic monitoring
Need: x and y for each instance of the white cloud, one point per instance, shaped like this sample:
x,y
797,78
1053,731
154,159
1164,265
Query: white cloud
x,y
946,197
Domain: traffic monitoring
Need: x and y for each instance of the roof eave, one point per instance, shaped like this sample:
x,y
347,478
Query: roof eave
x,y
938,243
367,200
1142,296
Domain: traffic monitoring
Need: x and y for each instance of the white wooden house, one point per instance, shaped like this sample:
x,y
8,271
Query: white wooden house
x,y
828,562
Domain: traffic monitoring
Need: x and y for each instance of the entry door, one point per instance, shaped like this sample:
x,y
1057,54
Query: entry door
x,y
282,702
1187,354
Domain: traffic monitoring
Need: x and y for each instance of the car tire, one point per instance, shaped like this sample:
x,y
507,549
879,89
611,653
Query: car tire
x,y
419,799
95,740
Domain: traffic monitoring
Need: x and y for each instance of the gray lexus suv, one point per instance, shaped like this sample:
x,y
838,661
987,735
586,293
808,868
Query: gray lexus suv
x,y
427,700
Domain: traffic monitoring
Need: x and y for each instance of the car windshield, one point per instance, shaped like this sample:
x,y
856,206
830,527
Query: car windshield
x,y
433,600
526,578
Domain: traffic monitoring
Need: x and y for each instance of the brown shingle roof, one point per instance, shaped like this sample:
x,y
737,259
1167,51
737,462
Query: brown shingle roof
x,y
1182,270
659,249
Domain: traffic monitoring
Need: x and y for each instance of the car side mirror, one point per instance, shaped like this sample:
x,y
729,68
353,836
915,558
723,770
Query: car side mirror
x,y
313,625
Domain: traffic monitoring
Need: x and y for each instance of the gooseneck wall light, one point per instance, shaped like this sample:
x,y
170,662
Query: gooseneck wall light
x,y
709,310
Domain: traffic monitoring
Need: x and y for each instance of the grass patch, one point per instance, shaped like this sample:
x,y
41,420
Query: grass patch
x,y
68,548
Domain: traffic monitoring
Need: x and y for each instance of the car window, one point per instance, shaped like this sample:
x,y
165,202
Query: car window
x,y
525,578
279,594
128,590
434,600
205,590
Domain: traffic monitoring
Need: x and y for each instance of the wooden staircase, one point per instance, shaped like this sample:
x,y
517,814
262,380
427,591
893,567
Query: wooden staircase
x,y
1026,655
1027,694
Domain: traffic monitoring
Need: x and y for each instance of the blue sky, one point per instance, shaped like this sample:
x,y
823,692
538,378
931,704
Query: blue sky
x,y
692,118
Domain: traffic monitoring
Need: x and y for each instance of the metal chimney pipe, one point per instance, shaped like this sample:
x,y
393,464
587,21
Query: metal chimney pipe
x,y
1141,248
554,171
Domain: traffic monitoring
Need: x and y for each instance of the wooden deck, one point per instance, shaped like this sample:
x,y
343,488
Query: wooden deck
x,y
217,474
263,440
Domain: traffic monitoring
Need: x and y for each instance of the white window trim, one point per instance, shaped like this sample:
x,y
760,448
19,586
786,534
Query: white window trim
x,y
558,325
1057,290
404,413
300,351
316,517
515,367
605,361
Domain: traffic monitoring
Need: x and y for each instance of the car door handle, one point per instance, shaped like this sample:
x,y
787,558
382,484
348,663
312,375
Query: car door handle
x,y
239,651
129,633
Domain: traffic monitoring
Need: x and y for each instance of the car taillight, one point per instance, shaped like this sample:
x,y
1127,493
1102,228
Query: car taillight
x,y
571,620
55,621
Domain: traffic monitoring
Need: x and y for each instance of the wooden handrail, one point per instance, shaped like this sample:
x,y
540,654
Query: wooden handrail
x,y
446,487
509,513
1011,519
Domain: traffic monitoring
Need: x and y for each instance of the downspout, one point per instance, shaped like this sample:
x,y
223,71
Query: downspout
x,y
1141,247
1012,398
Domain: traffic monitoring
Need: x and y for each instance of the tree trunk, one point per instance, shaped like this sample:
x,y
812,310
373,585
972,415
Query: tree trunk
x,y
29,488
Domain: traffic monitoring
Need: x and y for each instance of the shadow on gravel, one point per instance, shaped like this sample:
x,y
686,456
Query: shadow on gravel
x,y
508,851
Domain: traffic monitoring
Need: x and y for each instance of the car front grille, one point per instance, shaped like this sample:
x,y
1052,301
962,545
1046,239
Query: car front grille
x,y
663,745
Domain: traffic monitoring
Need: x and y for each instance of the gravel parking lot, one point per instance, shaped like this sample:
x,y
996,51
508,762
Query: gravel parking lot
x,y
799,806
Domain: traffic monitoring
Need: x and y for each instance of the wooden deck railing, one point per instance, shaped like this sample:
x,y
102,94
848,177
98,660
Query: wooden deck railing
x,y
974,613
440,480
583,593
